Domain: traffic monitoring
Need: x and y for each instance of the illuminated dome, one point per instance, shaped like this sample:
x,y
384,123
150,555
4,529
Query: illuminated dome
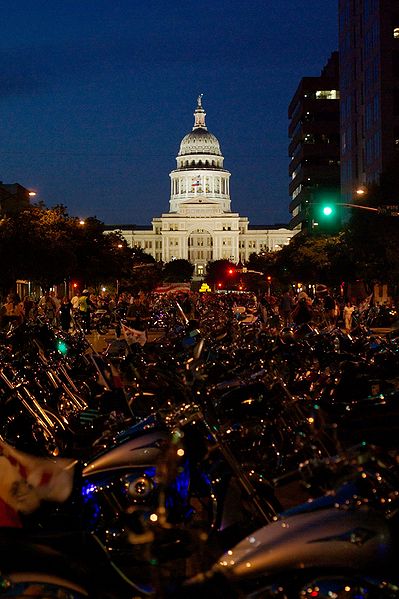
x,y
199,140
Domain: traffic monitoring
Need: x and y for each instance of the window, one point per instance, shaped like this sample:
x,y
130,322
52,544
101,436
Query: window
x,y
309,139
296,191
328,94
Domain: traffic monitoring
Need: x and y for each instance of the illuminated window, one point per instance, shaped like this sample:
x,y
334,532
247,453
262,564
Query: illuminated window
x,y
296,191
328,94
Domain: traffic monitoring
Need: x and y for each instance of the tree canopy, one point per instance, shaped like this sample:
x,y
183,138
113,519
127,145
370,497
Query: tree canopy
x,y
47,246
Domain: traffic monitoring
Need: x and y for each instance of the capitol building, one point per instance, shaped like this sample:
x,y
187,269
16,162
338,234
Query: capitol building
x,y
200,225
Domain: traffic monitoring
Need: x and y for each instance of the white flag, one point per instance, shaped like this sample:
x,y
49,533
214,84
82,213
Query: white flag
x,y
26,480
133,335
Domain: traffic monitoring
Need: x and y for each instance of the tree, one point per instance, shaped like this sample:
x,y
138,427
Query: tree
x,y
372,239
178,271
144,274
218,275
47,246
264,262
37,245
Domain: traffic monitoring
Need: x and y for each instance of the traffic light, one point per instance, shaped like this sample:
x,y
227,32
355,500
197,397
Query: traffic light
x,y
325,209
328,210
62,347
230,271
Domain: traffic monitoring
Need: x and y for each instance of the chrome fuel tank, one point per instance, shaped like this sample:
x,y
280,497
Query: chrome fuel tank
x,y
140,451
331,538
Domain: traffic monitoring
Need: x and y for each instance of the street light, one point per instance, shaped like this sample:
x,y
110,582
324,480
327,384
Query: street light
x,y
269,284
361,191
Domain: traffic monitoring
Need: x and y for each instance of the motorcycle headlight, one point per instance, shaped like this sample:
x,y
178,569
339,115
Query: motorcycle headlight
x,y
140,488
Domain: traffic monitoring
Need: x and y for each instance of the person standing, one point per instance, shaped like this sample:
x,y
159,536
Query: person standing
x,y
48,307
57,304
75,301
302,312
84,310
347,314
329,309
29,308
65,313
286,306
12,310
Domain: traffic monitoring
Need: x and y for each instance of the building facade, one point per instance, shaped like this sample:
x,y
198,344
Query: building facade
x,y
369,84
314,147
200,225
13,198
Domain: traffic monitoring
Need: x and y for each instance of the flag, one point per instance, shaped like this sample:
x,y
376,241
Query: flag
x,y
108,375
196,183
26,480
133,335
173,288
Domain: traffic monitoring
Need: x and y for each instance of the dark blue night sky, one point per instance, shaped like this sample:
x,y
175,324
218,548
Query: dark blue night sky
x,y
96,96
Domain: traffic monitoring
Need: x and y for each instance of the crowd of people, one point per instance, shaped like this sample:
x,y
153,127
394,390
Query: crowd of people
x,y
65,311
323,308
282,310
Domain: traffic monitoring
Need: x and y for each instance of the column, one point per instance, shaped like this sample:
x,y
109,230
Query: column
x,y
184,248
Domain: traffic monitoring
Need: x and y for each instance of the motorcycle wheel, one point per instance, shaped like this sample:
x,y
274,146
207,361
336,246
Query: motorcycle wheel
x,y
102,326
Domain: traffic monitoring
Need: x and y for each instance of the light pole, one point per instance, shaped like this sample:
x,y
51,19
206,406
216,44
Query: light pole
x,y
327,211
391,210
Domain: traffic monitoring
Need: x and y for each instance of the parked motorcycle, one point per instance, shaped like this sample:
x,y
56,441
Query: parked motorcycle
x,y
341,544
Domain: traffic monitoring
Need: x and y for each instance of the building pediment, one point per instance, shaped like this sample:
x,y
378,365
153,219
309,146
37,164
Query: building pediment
x,y
199,206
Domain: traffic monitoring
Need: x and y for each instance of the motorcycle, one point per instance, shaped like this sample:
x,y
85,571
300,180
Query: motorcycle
x,y
339,544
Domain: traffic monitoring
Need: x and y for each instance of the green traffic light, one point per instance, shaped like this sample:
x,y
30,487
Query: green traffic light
x,y
62,347
327,210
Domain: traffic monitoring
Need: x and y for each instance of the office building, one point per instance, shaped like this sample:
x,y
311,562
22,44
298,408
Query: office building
x,y
369,85
314,167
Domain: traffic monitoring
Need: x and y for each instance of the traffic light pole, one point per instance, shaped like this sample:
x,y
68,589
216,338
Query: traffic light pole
x,y
385,210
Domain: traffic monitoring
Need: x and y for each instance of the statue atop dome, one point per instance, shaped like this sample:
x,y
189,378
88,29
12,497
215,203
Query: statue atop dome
x,y
199,115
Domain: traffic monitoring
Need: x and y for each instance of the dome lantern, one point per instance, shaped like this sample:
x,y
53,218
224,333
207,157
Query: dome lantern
x,y
199,140
199,115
